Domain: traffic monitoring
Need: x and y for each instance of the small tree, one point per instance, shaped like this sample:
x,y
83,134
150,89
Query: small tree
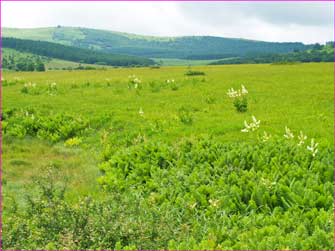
x,y
40,66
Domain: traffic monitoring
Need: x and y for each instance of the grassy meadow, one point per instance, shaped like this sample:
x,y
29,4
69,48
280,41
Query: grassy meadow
x,y
125,121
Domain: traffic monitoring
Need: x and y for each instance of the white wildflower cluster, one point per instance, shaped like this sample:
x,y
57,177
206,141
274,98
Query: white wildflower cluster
x,y
135,81
266,137
30,85
170,81
313,148
214,203
27,114
288,134
301,138
237,93
252,126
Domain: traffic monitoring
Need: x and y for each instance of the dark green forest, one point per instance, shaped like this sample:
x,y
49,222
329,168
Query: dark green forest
x,y
70,53
319,53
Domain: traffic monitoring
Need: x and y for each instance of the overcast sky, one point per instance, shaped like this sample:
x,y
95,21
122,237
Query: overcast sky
x,y
307,22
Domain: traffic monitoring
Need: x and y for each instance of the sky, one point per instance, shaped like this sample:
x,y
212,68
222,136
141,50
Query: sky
x,y
307,22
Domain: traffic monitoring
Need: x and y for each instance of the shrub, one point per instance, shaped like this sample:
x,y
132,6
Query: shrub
x,y
53,127
239,98
194,73
185,116
241,104
193,194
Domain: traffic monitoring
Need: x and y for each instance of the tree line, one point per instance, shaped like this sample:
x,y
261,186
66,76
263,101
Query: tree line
x,y
75,54
319,53
22,63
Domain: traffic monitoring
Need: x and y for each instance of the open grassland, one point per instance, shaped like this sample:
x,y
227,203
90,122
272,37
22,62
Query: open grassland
x,y
165,163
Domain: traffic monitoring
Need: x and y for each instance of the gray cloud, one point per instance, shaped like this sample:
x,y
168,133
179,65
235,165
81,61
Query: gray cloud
x,y
307,22
302,13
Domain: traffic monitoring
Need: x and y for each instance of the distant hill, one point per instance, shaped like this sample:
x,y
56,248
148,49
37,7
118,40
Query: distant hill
x,y
319,53
187,47
70,53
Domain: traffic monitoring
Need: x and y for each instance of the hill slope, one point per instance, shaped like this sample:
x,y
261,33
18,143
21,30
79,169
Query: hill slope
x,y
190,47
319,53
71,53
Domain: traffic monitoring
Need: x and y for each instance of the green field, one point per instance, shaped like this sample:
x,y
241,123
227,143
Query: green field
x,y
165,164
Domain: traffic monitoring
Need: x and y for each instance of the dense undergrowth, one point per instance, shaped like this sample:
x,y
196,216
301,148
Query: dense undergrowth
x,y
266,183
195,194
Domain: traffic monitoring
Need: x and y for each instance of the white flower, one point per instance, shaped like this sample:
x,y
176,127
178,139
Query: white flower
x,y
232,93
266,136
313,148
170,81
238,93
214,203
301,138
244,90
253,126
288,134
141,112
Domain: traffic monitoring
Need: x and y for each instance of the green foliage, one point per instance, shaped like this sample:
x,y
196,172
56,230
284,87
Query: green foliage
x,y
158,189
241,104
195,194
320,53
185,116
154,86
53,127
209,99
174,86
75,141
16,61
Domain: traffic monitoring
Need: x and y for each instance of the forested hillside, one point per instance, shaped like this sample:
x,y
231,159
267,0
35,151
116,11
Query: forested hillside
x,y
187,47
71,53
319,53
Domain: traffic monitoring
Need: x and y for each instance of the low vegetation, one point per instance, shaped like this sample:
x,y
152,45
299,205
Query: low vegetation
x,y
140,158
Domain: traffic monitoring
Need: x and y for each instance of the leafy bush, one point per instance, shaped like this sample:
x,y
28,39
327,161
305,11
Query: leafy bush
x,y
53,127
185,116
194,73
195,194
174,86
234,187
241,104
31,88
239,98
